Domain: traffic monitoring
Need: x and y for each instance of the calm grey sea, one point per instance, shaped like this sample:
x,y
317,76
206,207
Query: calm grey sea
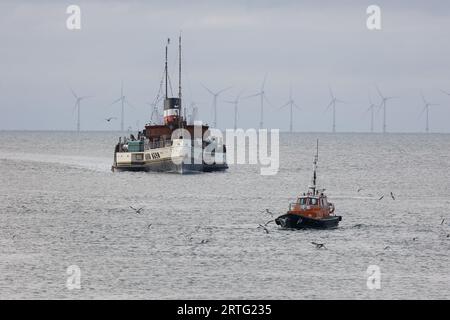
x,y
60,205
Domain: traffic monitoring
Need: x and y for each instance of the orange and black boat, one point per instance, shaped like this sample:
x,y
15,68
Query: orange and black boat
x,y
312,209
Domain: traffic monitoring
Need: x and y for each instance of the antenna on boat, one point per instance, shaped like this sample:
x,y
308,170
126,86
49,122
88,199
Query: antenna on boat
x,y
316,160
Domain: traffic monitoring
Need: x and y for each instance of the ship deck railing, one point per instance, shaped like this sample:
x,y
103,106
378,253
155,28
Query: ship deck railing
x,y
157,144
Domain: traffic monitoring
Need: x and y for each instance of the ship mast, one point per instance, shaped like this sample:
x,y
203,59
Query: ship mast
x,y
165,67
179,78
179,69
313,187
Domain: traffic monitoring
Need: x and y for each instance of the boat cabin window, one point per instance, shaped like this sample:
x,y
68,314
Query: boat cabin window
x,y
302,201
313,202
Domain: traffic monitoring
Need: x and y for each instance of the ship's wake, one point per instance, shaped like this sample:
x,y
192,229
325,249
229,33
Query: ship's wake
x,y
101,164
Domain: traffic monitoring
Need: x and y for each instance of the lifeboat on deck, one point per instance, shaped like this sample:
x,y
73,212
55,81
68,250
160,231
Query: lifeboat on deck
x,y
312,209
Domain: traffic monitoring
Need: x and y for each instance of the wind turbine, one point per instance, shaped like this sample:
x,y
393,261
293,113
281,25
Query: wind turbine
x,y
215,96
371,108
333,105
78,106
262,95
426,109
194,113
292,104
122,100
235,102
383,104
445,92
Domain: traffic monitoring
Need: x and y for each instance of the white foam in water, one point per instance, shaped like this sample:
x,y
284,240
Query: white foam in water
x,y
91,163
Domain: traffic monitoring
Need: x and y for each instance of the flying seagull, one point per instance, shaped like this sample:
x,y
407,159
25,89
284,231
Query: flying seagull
x,y
442,222
381,197
267,211
264,228
359,189
392,196
138,211
149,225
318,245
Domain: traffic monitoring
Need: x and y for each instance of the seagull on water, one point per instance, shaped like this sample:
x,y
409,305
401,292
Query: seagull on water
x,y
110,118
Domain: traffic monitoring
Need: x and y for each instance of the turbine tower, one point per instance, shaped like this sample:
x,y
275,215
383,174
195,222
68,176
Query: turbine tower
x,y
78,106
426,109
383,104
215,96
371,108
333,105
262,95
235,102
292,104
194,113
123,100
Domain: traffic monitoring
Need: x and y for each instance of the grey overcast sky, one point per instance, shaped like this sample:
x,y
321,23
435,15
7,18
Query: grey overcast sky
x,y
310,44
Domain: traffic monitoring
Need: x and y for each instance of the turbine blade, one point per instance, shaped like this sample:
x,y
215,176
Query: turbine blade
x,y
207,89
253,95
223,90
422,112
268,101
115,101
329,106
284,105
296,105
73,93
264,82
379,92
239,95
423,97
331,91
389,98
128,103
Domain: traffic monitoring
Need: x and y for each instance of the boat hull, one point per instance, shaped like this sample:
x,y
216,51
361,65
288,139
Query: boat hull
x,y
170,167
296,221
171,159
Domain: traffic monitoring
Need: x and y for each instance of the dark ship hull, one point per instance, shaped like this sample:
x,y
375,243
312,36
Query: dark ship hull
x,y
296,221
170,167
